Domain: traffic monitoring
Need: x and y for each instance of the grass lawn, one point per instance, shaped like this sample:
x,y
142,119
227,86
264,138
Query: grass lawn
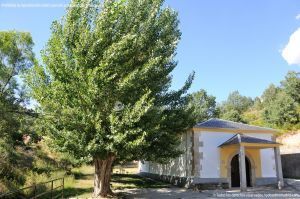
x,y
82,185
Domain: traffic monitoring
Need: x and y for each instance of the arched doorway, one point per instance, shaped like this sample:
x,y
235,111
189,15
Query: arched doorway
x,y
235,171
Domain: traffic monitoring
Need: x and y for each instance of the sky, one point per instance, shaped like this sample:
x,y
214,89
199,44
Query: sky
x,y
230,44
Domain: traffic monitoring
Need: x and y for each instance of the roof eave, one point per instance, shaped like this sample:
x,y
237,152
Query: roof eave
x,y
246,144
272,131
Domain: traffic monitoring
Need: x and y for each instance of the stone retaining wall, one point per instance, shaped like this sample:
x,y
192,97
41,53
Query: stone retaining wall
x,y
291,165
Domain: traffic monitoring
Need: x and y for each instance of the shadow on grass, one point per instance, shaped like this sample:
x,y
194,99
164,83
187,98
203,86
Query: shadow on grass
x,y
73,192
118,182
82,176
125,181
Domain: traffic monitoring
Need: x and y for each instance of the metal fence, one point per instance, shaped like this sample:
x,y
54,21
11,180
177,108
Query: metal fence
x,y
47,190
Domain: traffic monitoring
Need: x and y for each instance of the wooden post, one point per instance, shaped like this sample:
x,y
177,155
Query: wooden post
x,y
51,189
34,190
278,167
63,187
242,167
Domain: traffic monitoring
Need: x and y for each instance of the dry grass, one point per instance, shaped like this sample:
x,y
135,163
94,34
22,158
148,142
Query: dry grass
x,y
122,170
82,185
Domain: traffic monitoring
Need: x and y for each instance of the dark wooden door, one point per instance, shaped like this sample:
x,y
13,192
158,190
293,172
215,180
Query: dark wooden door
x,y
235,172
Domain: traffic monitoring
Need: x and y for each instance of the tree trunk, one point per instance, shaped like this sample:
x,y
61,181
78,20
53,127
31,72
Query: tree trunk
x,y
102,176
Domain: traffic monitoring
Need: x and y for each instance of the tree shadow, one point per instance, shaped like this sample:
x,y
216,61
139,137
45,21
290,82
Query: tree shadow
x,y
80,175
135,181
73,192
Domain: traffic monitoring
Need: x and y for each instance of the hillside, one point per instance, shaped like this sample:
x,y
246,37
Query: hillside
x,y
26,165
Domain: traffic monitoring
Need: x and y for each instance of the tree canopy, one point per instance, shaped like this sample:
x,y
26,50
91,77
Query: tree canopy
x,y
104,88
16,58
234,106
277,107
281,104
204,106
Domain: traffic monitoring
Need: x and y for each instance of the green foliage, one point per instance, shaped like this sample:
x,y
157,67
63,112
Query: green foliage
x,y
282,110
278,106
204,106
16,58
234,106
10,176
95,59
269,94
19,164
232,115
25,166
257,104
291,85
254,116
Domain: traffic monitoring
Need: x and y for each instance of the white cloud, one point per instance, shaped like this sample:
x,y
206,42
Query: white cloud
x,y
298,16
291,52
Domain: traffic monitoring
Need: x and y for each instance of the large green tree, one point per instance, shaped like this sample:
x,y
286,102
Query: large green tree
x,y
234,106
204,106
281,104
16,57
269,94
291,85
282,111
104,88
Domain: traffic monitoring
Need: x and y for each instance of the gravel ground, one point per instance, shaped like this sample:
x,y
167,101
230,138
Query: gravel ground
x,y
162,193
291,190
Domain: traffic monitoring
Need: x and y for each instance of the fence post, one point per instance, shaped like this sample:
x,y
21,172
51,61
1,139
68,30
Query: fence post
x,y
34,190
51,189
63,187
34,193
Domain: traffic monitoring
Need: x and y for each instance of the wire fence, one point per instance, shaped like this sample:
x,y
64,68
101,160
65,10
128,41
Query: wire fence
x,y
47,190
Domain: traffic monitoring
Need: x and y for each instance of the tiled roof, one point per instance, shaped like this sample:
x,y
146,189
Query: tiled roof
x,y
225,124
240,138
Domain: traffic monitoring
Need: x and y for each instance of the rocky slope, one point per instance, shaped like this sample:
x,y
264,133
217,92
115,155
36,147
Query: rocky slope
x,y
290,142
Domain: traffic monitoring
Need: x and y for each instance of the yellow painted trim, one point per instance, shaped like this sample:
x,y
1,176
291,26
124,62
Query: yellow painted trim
x,y
226,154
233,130
230,146
255,155
260,145
252,145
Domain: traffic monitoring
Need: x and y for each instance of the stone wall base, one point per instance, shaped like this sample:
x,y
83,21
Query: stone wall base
x,y
204,183
266,181
174,180
210,183
188,182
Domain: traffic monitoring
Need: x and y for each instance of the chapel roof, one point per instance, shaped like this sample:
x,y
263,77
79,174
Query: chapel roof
x,y
241,138
226,124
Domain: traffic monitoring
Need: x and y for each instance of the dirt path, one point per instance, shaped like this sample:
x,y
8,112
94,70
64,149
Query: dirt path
x,y
133,186
182,193
162,193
